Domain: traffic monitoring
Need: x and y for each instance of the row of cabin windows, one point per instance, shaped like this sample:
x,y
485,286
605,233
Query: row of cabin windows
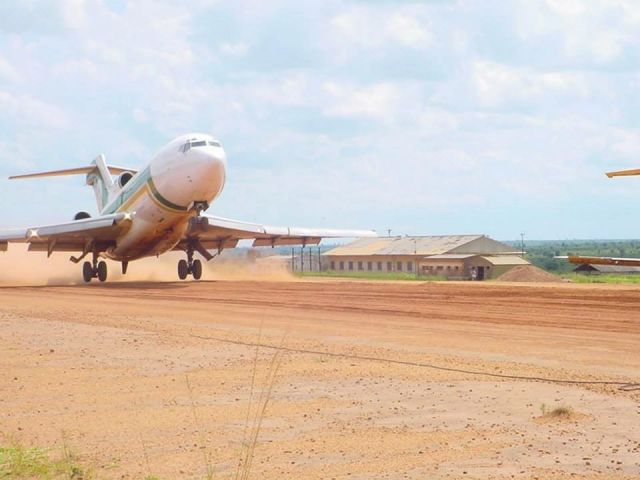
x,y
370,266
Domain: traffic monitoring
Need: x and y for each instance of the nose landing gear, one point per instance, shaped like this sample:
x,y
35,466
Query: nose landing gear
x,y
190,266
96,269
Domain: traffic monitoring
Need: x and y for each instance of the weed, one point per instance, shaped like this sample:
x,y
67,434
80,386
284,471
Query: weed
x,y
562,411
18,461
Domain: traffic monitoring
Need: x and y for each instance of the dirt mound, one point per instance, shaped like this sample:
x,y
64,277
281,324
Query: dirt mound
x,y
527,273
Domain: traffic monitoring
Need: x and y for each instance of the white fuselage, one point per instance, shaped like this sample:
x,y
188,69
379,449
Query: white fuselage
x,y
162,197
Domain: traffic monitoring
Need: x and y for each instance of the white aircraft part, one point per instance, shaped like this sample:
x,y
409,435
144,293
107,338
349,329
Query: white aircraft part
x,y
155,211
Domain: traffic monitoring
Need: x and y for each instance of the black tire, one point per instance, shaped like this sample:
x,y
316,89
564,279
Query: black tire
x,y
196,269
87,272
183,269
102,271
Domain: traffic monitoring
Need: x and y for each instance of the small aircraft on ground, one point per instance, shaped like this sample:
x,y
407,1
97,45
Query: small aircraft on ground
x,y
156,210
625,262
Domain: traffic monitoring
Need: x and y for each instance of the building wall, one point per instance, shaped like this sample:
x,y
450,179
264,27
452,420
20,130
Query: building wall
x,y
450,268
457,269
370,263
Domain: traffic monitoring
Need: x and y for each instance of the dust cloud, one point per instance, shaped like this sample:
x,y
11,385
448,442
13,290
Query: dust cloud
x,y
18,267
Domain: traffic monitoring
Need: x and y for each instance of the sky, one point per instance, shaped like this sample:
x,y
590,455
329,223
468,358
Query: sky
x,y
431,117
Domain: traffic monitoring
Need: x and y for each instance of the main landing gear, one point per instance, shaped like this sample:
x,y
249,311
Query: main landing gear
x,y
96,269
190,266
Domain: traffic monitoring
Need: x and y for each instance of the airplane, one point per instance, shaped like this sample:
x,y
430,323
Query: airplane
x,y
156,210
626,262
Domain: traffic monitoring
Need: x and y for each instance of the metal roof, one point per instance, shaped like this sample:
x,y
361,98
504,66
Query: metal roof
x,y
609,268
451,256
422,246
505,260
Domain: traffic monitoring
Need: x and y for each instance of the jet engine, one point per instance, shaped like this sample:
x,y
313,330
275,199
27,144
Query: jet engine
x,y
81,215
124,178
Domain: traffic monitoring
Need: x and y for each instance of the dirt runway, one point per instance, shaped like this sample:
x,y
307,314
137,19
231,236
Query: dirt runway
x,y
375,380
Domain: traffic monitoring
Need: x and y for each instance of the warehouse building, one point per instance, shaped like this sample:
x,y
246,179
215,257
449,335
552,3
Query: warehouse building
x,y
462,257
606,269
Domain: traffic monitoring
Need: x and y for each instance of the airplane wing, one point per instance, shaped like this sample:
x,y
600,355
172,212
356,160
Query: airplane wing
x,y
77,236
625,262
624,173
218,233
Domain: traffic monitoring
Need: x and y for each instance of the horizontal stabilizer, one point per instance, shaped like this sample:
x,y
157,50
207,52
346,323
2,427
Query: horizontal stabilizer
x,y
624,262
624,173
73,171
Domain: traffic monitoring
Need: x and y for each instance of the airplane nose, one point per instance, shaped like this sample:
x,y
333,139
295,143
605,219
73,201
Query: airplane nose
x,y
205,170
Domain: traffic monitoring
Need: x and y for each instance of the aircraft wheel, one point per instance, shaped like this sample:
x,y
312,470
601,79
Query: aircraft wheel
x,y
183,269
87,272
102,271
196,269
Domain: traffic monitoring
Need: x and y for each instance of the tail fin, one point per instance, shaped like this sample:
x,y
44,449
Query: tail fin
x,y
98,176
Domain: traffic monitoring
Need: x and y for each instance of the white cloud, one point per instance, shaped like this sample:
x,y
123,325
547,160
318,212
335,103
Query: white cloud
x,y
32,112
7,70
370,28
238,49
377,101
74,13
498,84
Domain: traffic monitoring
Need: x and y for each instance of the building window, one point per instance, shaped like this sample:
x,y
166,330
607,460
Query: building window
x,y
341,265
409,266
379,266
399,266
439,267
389,266
360,266
457,268
369,266
350,265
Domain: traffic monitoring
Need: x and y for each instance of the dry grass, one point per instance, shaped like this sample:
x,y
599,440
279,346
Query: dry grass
x,y
562,412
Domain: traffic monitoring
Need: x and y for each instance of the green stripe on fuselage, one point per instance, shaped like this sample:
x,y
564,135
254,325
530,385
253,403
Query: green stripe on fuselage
x,y
134,186
167,203
129,190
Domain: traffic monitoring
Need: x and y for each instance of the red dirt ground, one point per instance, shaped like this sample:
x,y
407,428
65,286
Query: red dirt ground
x,y
147,378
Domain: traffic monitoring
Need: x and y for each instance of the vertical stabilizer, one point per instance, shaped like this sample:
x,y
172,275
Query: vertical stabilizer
x,y
100,179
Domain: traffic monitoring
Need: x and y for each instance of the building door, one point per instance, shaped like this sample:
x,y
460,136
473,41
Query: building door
x,y
480,275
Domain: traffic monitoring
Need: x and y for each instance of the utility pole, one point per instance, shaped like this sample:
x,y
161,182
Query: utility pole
x,y
415,255
522,243
302,259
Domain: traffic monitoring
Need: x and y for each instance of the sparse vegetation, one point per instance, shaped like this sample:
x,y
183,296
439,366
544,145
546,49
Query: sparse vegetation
x,y
632,279
20,462
559,412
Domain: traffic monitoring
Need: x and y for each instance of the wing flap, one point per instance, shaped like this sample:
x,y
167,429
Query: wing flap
x,y
624,173
220,231
624,262
70,236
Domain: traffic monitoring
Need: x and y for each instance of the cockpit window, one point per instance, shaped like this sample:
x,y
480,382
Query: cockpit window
x,y
200,143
